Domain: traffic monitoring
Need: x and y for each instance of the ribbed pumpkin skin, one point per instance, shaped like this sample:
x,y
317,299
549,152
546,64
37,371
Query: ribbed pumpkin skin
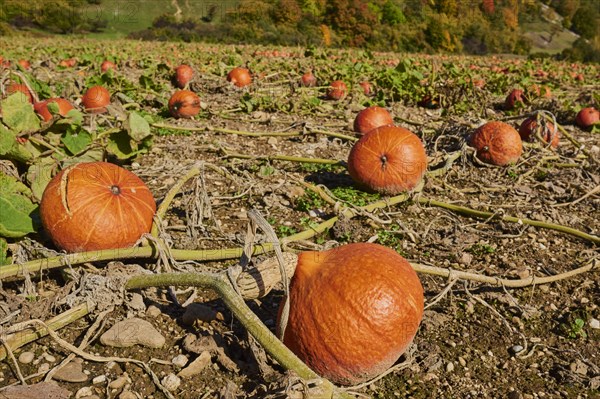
x,y
353,311
184,104
95,99
388,160
497,143
97,217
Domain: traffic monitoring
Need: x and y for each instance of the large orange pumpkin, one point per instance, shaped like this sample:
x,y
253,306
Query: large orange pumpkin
x,y
96,205
353,311
388,159
497,143
184,104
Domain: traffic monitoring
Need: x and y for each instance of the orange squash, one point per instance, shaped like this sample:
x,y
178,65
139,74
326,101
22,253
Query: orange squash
x,y
96,99
388,160
239,76
497,143
14,87
548,132
96,205
184,104
372,117
587,117
41,107
353,311
308,79
183,75
337,90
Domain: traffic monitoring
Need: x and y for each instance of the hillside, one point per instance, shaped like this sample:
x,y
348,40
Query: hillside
x,y
449,26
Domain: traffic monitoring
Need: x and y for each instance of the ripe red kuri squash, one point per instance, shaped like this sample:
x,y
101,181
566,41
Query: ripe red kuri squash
x,y
497,143
106,65
95,99
530,128
587,117
41,107
183,75
308,79
353,311
239,76
184,104
96,205
371,118
14,87
514,98
388,159
337,90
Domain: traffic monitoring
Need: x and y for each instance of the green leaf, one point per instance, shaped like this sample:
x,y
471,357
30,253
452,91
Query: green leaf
x,y
121,145
16,208
76,141
91,155
10,148
18,114
4,252
73,117
39,175
53,108
138,127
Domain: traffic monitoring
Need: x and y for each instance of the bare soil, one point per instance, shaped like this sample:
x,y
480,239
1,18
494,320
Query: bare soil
x,y
475,341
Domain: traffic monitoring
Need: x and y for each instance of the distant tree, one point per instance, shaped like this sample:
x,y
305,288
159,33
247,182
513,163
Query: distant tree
x,y
585,21
567,9
392,13
287,12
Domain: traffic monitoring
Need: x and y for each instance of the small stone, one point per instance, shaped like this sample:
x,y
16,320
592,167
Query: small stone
x,y
49,358
466,258
199,311
39,390
515,395
131,332
584,301
118,383
449,367
153,311
99,379
579,367
83,393
44,367
462,361
171,382
26,357
595,324
196,367
128,395
180,360
272,141
71,372
137,302
515,349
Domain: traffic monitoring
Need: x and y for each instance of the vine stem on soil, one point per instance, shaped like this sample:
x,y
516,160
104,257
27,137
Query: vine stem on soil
x,y
254,134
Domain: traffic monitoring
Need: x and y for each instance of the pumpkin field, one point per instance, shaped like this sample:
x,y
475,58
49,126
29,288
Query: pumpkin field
x,y
232,221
